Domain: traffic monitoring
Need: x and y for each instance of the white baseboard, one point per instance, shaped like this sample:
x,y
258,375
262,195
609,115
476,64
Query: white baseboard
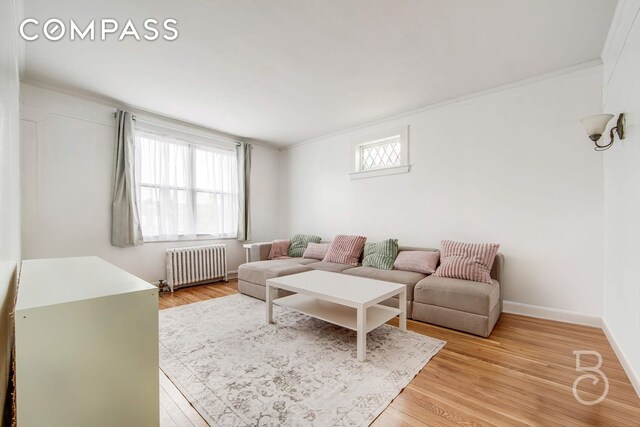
x,y
580,319
624,361
551,314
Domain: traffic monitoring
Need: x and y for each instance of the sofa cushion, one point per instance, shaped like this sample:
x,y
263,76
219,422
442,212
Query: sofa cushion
x,y
380,255
419,261
345,249
408,278
260,292
469,261
258,272
455,319
330,266
316,251
302,261
458,294
299,244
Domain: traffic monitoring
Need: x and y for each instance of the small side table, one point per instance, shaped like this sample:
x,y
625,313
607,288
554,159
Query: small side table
x,y
247,249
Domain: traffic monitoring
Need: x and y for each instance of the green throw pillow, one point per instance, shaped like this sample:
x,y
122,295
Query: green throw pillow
x,y
299,243
380,255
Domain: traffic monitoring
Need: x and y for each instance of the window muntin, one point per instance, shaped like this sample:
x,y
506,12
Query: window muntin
x,y
380,153
185,190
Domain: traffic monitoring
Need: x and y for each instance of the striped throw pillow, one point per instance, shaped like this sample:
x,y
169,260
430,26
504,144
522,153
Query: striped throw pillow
x,y
299,243
468,261
424,262
345,249
380,255
316,250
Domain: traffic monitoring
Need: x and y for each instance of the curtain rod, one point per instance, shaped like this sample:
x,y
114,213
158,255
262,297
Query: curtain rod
x,y
135,118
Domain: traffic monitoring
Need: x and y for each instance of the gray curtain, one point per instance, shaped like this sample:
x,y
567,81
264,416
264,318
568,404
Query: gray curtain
x,y
125,218
244,184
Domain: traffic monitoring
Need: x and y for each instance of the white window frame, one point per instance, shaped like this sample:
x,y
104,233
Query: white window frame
x,y
356,171
192,141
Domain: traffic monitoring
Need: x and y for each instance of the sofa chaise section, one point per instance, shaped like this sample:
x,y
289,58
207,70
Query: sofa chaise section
x,y
252,276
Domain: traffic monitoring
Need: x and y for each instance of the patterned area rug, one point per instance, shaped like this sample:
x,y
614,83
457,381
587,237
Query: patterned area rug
x,y
237,370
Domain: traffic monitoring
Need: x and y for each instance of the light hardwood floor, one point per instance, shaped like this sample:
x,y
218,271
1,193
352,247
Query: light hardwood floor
x,y
522,374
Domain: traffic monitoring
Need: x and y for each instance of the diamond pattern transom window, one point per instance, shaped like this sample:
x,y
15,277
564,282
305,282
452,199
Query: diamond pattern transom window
x,y
381,153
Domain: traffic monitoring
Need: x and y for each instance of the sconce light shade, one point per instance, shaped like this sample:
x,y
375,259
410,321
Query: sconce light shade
x,y
596,125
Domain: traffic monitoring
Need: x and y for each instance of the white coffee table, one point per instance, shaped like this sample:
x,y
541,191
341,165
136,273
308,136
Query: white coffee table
x,y
348,301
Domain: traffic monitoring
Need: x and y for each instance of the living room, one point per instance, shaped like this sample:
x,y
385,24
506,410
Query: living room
x,y
348,213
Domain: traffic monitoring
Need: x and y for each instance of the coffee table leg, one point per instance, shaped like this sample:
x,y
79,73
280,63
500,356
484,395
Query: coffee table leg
x,y
269,304
362,333
403,310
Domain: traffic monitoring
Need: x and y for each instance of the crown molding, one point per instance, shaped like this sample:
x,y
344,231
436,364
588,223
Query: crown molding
x,y
20,44
458,100
153,115
104,100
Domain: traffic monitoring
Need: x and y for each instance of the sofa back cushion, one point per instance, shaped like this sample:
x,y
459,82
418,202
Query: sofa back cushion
x,y
299,243
424,262
279,249
380,255
345,249
468,261
316,250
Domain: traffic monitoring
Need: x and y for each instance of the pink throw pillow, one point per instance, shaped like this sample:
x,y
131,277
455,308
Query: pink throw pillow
x,y
424,262
468,261
345,249
279,249
316,250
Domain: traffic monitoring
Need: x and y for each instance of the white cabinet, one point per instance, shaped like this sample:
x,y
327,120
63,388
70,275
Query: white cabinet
x,y
86,345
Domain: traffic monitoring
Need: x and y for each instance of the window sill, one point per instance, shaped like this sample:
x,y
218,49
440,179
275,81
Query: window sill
x,y
379,172
188,239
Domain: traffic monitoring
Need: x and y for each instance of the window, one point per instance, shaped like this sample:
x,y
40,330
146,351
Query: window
x,y
381,154
186,189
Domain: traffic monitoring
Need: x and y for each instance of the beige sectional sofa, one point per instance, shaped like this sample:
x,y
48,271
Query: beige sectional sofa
x,y
453,303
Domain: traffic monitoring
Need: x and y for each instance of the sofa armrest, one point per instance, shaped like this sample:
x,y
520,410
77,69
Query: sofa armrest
x,y
259,251
498,266
497,270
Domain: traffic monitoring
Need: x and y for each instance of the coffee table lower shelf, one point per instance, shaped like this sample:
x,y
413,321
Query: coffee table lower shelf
x,y
337,314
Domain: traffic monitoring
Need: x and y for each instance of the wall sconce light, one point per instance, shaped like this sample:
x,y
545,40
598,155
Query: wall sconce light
x,y
596,125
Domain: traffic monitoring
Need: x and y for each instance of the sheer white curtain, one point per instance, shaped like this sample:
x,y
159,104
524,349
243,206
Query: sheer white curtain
x,y
216,191
185,190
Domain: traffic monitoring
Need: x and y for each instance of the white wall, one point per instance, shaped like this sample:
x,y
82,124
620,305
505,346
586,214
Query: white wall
x,y
9,189
622,189
67,145
513,166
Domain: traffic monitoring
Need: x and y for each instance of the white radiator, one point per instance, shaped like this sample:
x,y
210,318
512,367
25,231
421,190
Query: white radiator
x,y
196,264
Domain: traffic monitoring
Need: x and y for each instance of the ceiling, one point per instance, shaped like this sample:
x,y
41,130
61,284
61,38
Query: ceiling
x,y
285,71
